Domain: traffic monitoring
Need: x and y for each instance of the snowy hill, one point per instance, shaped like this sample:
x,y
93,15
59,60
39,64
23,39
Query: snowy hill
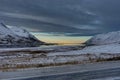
x,y
102,39
17,37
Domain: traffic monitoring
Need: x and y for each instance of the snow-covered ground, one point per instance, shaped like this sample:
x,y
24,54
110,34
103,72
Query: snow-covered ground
x,y
38,57
61,55
32,57
108,49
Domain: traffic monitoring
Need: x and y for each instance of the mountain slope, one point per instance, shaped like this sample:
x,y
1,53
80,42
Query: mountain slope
x,y
17,37
108,38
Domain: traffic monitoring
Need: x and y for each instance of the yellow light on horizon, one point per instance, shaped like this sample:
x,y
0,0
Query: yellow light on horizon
x,y
62,39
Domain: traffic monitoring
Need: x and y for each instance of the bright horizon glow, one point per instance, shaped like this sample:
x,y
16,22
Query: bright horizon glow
x,y
61,39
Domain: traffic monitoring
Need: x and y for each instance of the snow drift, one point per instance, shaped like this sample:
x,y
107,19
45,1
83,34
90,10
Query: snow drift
x,y
103,39
17,37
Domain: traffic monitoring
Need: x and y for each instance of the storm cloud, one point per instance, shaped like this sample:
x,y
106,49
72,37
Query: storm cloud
x,y
76,17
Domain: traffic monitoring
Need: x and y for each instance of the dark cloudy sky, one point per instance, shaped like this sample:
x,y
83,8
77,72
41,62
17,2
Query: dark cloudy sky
x,y
68,17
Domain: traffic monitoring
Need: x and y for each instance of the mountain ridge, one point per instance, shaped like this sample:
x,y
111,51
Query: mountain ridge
x,y
17,37
105,38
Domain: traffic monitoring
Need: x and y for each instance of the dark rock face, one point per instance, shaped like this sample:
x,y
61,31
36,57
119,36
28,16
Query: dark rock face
x,y
17,37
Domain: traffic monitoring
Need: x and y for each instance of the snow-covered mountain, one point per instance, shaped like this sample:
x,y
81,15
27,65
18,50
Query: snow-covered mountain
x,y
17,37
103,39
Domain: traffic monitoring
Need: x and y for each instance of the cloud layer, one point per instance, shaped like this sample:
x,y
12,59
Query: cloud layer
x,y
76,17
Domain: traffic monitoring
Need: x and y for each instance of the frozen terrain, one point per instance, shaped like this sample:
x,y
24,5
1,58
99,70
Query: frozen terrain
x,y
17,58
39,57
16,37
107,38
101,49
